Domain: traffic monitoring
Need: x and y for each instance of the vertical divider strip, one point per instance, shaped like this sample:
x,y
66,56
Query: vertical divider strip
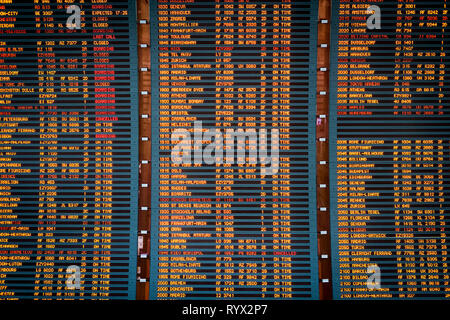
x,y
322,156
145,138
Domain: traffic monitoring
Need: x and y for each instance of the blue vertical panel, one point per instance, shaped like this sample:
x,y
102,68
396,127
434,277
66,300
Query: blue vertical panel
x,y
69,150
154,203
221,230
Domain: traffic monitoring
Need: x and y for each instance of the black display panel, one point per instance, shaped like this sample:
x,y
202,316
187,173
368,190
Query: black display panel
x,y
68,149
389,149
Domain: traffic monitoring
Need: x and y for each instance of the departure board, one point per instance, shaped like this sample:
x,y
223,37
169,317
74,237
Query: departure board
x,y
68,149
233,210
389,149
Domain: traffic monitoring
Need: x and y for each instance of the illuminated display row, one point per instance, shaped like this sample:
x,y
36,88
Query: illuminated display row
x,y
389,150
68,150
233,150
